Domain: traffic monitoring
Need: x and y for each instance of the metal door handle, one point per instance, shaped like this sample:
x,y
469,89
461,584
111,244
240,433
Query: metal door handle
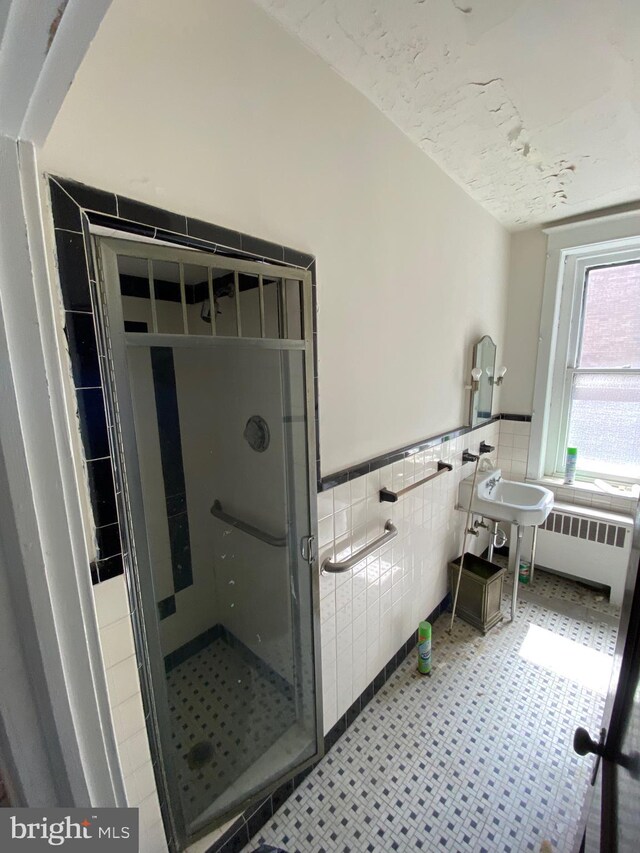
x,y
307,548
583,744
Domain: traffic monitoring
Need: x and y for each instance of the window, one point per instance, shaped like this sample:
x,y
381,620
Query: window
x,y
603,379
593,393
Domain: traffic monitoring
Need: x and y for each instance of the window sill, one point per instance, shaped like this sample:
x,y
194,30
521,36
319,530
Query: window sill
x,y
583,492
617,490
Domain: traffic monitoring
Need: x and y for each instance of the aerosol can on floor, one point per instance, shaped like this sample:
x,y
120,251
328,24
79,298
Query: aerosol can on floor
x,y
424,648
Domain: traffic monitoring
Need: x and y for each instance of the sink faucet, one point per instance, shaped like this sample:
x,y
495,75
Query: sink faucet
x,y
492,483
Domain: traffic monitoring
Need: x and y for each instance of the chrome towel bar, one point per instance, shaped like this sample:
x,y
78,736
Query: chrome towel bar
x,y
345,565
392,497
276,541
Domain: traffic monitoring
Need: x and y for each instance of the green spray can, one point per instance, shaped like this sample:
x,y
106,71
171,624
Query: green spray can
x,y
424,648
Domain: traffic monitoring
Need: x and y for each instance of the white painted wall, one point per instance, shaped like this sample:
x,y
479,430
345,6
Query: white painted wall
x,y
526,282
532,106
244,127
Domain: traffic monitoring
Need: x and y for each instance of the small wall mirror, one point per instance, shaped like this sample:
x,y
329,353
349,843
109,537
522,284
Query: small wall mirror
x,y
484,359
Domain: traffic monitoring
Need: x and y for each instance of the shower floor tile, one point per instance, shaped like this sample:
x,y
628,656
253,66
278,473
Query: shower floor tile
x,y
228,709
479,756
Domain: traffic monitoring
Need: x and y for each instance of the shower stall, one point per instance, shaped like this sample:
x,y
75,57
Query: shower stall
x,y
210,369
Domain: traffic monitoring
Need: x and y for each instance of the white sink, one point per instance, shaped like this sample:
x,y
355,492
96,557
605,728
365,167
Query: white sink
x,y
506,500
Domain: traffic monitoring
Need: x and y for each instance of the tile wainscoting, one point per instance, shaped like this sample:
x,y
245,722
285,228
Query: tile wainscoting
x,y
127,711
513,447
368,613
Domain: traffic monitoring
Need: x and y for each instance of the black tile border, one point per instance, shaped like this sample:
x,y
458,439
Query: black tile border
x,y
256,816
219,632
166,607
346,474
526,418
74,207
192,647
172,465
332,480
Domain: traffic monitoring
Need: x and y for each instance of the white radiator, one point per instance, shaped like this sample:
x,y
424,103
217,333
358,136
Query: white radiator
x,y
587,544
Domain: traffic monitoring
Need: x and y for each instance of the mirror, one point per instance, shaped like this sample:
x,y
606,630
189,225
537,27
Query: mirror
x,y
484,359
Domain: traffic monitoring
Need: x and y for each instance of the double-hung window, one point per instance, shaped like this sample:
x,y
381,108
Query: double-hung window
x,y
594,396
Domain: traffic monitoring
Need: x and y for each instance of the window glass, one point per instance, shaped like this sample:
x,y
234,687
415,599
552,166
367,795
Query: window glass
x,y
611,317
605,423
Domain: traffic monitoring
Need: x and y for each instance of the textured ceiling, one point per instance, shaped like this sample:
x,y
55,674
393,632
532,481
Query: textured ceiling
x,y
533,106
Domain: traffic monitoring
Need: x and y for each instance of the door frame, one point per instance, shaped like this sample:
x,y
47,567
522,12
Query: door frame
x,y
621,692
602,793
112,345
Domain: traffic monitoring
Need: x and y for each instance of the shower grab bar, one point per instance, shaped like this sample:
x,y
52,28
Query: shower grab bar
x,y
218,512
392,497
345,565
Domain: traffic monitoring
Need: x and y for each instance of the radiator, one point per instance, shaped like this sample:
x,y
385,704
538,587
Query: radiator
x,y
588,544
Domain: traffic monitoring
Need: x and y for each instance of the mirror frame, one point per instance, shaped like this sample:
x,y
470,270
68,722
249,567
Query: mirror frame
x,y
485,383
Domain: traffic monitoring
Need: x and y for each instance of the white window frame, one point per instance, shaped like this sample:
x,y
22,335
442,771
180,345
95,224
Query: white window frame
x,y
571,251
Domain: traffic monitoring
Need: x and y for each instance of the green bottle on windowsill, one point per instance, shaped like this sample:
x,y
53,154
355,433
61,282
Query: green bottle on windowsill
x,y
570,466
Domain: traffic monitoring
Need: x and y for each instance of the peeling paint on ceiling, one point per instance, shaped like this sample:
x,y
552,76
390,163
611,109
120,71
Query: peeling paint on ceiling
x,y
533,106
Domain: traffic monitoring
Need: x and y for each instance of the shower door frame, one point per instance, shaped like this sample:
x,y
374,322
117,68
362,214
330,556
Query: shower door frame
x,y
112,343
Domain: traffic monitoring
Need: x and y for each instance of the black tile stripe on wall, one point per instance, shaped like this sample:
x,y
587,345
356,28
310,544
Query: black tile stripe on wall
x,y
168,420
332,480
524,418
366,467
74,206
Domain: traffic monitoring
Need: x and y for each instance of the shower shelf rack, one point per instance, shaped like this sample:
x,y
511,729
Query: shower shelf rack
x,y
218,512
392,497
391,531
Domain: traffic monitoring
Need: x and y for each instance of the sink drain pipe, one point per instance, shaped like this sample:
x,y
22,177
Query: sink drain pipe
x,y
468,531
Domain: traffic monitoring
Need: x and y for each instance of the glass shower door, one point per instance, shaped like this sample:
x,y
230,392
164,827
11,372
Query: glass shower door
x,y
216,438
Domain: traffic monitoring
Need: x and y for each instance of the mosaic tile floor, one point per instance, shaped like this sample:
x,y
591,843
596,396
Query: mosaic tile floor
x,y
217,698
477,757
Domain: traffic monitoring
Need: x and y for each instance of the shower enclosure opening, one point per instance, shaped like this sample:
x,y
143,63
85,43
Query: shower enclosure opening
x,y
209,364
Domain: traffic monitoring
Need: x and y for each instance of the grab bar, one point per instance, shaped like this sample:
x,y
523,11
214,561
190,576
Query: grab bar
x,y
218,512
392,497
345,565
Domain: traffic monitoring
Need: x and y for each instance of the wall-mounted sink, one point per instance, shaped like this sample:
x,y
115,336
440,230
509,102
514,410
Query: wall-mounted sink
x,y
506,500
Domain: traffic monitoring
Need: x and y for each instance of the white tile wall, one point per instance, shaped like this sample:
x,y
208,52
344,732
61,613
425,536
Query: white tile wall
x,y
513,449
367,614
125,699
585,494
